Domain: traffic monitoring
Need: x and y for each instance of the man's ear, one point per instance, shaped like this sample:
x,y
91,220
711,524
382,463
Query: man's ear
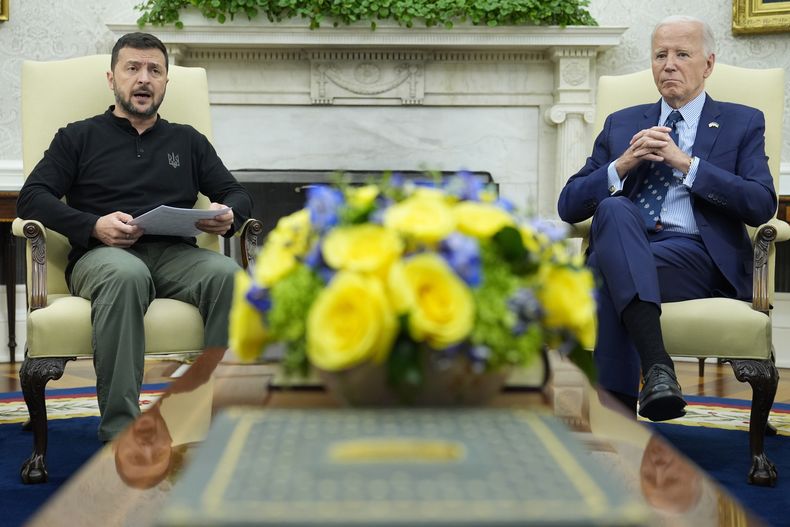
x,y
709,66
109,79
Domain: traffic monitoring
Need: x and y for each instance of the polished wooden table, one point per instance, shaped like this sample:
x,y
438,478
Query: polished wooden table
x,y
129,481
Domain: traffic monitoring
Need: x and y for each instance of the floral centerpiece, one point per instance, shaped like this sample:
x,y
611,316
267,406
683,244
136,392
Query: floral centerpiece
x,y
388,284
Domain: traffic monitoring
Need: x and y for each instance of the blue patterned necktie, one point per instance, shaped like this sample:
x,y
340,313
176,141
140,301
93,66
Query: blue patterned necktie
x,y
655,185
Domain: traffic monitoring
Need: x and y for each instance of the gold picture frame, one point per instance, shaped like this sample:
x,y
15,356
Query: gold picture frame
x,y
3,10
760,16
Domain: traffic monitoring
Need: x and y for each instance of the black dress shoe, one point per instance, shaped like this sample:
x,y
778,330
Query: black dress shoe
x,y
661,398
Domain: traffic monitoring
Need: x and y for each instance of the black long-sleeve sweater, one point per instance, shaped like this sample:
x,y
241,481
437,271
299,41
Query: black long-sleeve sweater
x,y
102,165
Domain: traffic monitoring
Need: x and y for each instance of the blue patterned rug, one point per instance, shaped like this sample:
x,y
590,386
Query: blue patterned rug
x,y
714,434
73,420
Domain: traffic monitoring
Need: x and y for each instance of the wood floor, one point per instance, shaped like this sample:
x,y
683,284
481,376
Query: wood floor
x,y
718,380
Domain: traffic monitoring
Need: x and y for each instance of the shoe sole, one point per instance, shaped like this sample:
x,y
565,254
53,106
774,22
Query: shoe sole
x,y
662,407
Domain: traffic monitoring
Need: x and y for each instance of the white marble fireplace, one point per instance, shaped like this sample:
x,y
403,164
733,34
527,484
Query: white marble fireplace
x,y
515,102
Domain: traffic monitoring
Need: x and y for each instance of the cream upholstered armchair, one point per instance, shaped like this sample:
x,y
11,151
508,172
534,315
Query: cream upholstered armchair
x,y
731,330
58,324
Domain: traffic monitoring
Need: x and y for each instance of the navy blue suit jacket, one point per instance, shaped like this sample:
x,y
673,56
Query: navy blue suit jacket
x,y
733,185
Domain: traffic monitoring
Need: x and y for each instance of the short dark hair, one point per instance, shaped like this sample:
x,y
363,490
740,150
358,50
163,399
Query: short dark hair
x,y
137,41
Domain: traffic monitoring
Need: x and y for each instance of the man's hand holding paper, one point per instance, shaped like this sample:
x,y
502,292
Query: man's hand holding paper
x,y
172,221
219,224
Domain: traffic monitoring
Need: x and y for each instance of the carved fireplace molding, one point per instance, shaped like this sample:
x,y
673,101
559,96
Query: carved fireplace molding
x,y
546,75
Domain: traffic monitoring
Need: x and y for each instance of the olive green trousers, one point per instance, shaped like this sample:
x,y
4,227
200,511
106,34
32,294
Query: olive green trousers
x,y
121,284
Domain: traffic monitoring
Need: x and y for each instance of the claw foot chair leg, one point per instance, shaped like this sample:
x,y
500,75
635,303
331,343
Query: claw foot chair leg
x,y
763,376
34,376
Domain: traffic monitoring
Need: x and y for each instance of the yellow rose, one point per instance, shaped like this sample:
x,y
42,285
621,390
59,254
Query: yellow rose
x,y
247,333
529,238
566,295
399,291
362,197
349,323
292,232
424,217
273,262
488,195
481,220
442,310
559,254
365,248
421,191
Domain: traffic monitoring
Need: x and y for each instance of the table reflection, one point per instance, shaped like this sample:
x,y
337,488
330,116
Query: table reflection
x,y
128,482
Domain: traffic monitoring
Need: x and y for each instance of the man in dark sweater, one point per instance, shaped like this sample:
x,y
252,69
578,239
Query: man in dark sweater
x,y
111,168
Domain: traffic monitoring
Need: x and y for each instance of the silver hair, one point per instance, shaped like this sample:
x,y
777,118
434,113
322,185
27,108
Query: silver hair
x,y
708,41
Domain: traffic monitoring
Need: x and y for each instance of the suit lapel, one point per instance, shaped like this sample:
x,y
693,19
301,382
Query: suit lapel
x,y
707,134
651,115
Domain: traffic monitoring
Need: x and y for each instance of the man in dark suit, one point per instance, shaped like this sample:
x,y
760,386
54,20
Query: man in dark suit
x,y
671,185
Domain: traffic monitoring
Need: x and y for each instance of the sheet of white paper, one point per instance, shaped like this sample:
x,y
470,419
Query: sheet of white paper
x,y
172,221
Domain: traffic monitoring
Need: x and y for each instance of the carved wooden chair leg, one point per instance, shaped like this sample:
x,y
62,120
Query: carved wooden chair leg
x,y
764,379
701,367
34,376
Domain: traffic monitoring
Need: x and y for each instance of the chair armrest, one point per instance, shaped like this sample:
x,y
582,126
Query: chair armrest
x,y
582,229
782,230
775,230
36,236
251,240
579,230
763,238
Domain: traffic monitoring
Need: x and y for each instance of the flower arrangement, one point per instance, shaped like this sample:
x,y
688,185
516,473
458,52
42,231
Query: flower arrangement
x,y
406,271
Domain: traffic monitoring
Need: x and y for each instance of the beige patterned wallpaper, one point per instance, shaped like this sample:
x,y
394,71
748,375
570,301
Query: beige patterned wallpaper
x,y
45,30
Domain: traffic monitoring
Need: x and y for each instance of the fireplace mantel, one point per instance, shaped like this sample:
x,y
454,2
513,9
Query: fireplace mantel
x,y
514,101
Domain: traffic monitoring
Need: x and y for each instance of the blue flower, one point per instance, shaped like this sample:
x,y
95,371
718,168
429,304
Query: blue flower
x,y
463,255
478,355
506,205
397,180
260,298
465,186
525,305
426,183
323,203
554,230
315,260
382,204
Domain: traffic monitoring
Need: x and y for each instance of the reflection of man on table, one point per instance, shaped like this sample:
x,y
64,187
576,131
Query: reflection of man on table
x,y
671,185
110,168
153,446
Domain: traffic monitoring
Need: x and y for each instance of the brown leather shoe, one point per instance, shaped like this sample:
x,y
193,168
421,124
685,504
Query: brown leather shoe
x,y
661,398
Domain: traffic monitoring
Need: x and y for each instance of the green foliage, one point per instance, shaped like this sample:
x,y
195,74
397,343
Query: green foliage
x,y
291,300
405,364
405,12
494,320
